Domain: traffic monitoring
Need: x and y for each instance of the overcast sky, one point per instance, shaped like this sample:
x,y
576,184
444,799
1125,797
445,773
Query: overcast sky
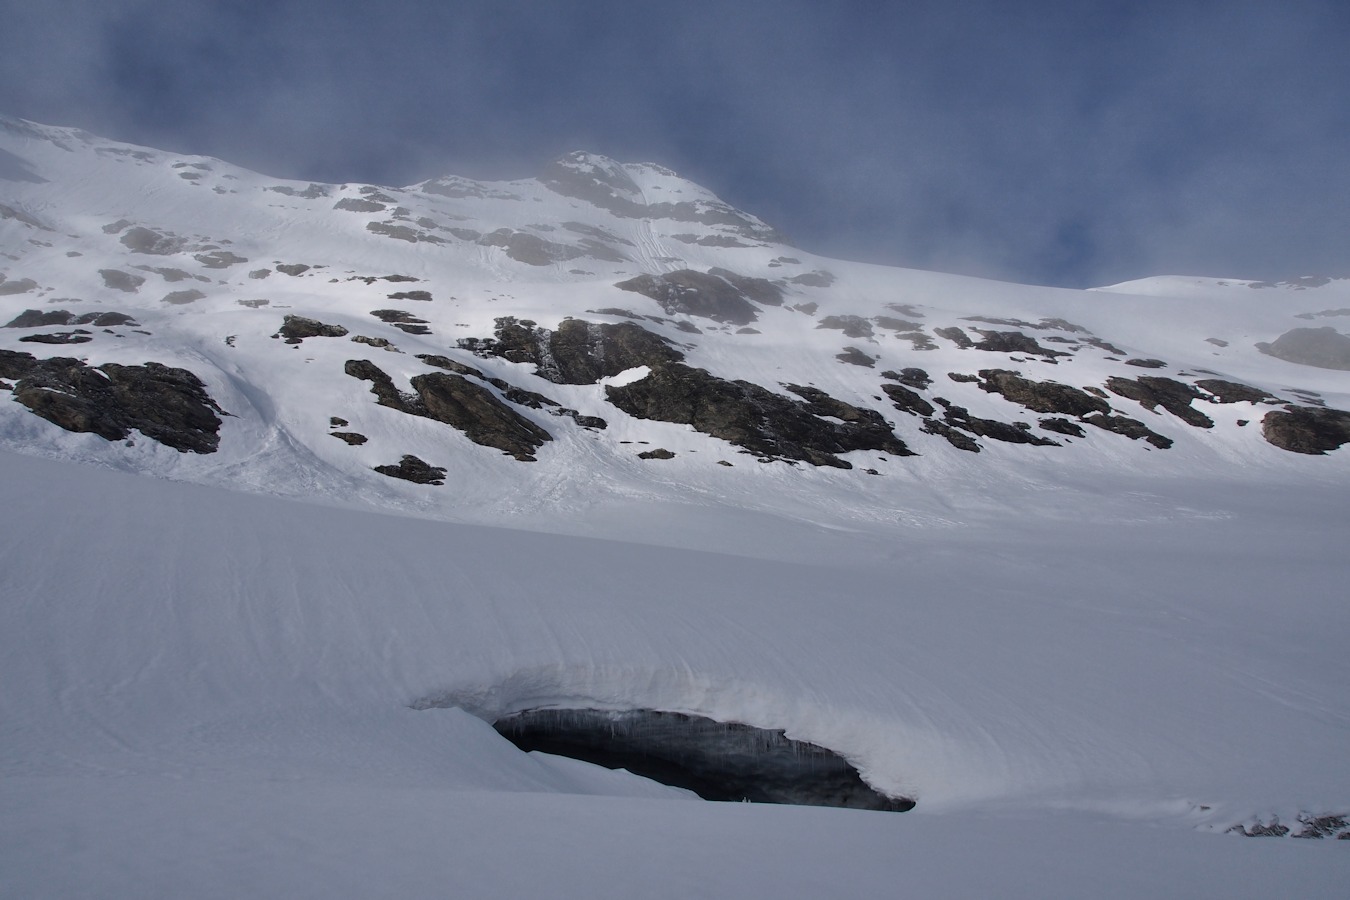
x,y
1068,143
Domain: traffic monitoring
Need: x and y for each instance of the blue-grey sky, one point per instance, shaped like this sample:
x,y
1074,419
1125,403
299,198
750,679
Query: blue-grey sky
x,y
1069,143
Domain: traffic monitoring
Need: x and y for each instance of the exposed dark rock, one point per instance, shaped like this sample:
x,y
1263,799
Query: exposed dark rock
x,y
296,328
818,278
1014,342
1042,325
658,453
915,378
78,336
962,378
1324,826
1305,429
615,311
410,468
748,330
409,328
918,340
424,296
146,240
579,352
391,316
118,280
1062,426
313,192
957,438
1040,396
1325,348
695,294
724,761
1011,433
382,386
403,233
1216,342
292,269
808,308
379,342
1261,829
36,318
956,336
1152,391
1146,363
483,418
1232,391
179,298
219,259
165,404
1103,345
893,324
855,357
852,326
750,416
820,403
761,290
1131,428
908,401
335,422
460,403
351,437
357,204
18,286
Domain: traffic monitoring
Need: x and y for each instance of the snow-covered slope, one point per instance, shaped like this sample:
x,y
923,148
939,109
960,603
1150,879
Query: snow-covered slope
x,y
1105,647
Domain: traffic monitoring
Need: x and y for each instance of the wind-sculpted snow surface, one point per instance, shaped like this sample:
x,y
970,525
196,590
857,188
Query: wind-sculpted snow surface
x,y
1086,651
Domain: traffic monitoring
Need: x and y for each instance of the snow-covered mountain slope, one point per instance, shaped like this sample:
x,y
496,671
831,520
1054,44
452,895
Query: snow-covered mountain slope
x,y
530,311
1102,648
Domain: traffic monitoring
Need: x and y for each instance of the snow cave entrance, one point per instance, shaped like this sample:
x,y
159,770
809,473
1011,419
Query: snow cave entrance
x,y
724,761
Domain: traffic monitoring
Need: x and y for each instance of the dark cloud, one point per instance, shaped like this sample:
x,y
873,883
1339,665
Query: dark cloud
x,y
1060,143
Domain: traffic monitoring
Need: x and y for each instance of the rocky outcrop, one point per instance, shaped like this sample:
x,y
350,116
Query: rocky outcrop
x,y
855,357
1325,348
959,418
1307,429
514,394
1041,396
852,326
454,400
296,328
78,336
907,400
702,294
1014,342
414,469
36,318
1222,391
915,378
1152,391
1130,428
166,404
754,417
579,352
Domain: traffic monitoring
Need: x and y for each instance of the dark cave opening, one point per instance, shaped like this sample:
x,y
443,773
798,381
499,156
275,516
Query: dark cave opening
x,y
724,761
